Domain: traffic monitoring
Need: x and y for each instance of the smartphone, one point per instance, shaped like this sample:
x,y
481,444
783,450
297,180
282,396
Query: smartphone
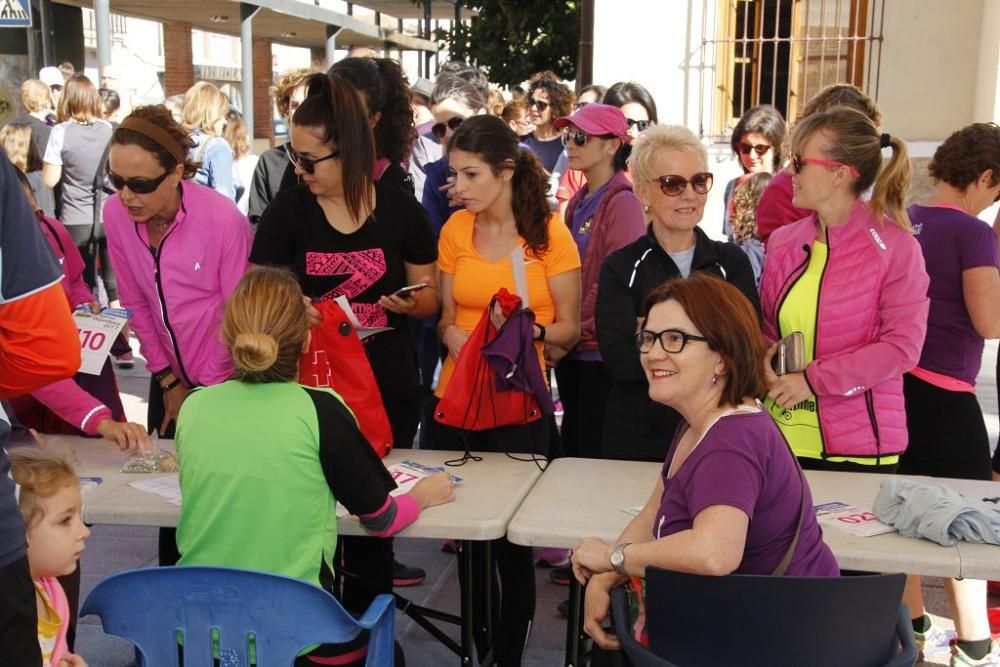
x,y
791,354
409,289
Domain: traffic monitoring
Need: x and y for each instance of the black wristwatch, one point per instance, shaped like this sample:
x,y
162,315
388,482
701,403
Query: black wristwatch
x,y
541,332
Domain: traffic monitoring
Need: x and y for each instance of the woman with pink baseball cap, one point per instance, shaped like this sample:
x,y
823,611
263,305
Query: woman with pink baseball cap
x,y
603,216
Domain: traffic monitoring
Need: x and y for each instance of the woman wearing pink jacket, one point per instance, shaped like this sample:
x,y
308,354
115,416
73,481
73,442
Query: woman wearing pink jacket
x,y
179,249
850,278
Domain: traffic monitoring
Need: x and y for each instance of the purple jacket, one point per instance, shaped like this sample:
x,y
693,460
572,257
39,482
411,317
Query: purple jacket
x,y
619,221
178,293
870,325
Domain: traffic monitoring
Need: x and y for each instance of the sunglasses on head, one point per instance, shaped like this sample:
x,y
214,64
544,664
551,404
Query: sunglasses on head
x,y
308,165
759,149
673,185
640,125
441,129
140,186
579,105
798,162
541,105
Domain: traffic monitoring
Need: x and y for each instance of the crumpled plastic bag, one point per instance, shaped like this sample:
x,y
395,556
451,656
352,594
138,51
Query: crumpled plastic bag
x,y
151,458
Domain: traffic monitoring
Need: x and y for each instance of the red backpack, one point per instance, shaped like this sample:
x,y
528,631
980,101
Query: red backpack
x,y
336,359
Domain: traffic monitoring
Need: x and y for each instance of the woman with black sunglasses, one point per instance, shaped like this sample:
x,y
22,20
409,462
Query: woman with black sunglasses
x,y
669,167
756,143
344,234
179,249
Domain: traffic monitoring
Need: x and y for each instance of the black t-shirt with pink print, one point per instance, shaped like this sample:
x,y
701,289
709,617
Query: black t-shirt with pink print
x,y
362,266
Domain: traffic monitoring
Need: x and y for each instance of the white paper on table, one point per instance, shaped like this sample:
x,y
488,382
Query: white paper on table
x,y
362,331
97,334
168,487
849,518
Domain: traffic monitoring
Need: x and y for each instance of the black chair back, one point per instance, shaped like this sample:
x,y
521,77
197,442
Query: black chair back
x,y
695,620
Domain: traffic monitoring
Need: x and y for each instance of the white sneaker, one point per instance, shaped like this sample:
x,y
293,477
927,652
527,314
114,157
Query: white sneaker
x,y
960,659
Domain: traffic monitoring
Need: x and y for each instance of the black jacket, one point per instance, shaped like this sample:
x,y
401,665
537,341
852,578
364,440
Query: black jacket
x,y
635,427
273,174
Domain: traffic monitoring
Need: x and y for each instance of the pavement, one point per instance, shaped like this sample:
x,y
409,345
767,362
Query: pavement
x,y
111,549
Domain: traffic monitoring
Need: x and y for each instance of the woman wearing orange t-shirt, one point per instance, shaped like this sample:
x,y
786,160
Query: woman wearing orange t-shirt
x,y
503,191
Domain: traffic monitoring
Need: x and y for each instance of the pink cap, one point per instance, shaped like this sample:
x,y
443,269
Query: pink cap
x,y
597,119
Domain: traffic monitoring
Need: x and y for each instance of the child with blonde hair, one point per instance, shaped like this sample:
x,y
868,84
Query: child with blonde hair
x,y
50,504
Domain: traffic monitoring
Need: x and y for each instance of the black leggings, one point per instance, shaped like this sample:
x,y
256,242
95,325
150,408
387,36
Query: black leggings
x,y
584,387
513,580
94,265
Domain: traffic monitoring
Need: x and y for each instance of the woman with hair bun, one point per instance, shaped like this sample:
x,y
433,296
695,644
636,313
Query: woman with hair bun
x,y
850,278
344,234
503,191
264,455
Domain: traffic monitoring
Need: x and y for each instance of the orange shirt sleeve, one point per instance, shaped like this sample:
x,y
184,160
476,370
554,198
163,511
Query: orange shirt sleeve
x,y
39,343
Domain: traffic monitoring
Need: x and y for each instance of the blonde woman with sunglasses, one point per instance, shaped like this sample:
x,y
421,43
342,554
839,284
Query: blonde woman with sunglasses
x,y
669,167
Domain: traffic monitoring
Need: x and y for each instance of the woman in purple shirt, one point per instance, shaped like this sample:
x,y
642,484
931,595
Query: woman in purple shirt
x,y
947,435
731,497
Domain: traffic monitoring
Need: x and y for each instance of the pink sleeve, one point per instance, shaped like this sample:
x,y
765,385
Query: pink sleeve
x,y
54,590
77,290
406,512
73,405
903,306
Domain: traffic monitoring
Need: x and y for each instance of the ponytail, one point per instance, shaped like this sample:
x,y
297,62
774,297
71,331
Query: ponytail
x,y
529,199
333,108
892,184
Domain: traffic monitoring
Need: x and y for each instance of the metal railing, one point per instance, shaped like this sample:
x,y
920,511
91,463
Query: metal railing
x,y
782,52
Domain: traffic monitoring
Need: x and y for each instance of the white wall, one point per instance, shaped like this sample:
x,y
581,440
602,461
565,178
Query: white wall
x,y
927,83
987,104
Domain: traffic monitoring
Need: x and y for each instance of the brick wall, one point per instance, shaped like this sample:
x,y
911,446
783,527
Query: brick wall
x,y
178,74
263,125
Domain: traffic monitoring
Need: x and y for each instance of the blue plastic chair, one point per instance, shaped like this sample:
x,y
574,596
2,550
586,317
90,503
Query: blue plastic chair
x,y
150,606
697,621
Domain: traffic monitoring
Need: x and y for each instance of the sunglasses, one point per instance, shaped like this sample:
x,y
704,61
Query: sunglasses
x,y
541,105
759,149
640,125
140,186
308,165
673,186
579,105
441,129
798,162
579,137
